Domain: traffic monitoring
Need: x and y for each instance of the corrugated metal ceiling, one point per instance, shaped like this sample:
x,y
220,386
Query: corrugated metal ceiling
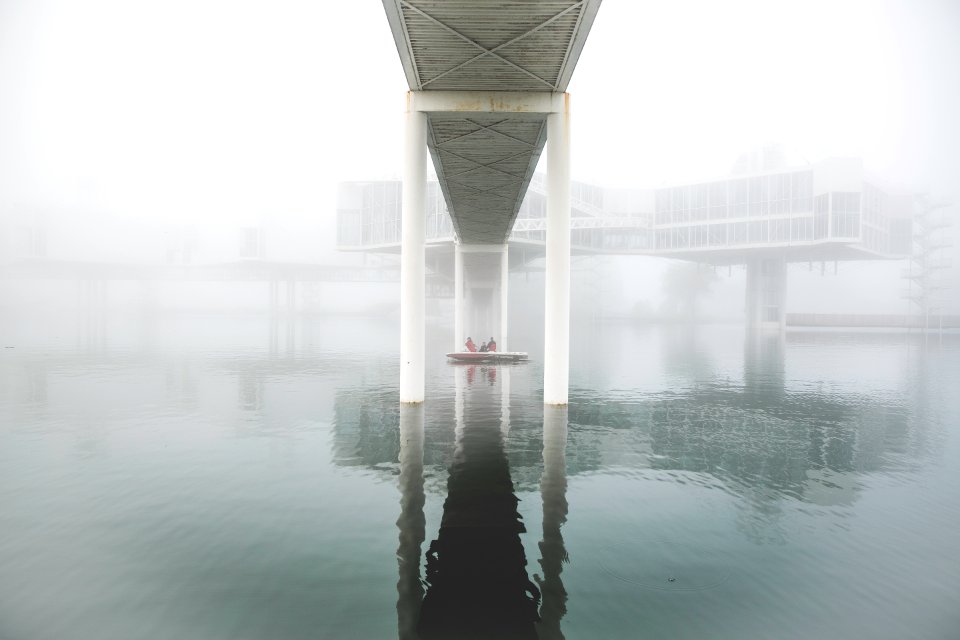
x,y
485,161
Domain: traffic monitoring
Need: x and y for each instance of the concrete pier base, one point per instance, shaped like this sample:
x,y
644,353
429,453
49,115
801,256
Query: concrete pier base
x,y
766,294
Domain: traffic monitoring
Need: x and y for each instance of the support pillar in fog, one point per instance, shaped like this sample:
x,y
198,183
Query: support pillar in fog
x,y
556,330
504,333
291,316
412,267
480,293
766,294
291,297
459,337
482,306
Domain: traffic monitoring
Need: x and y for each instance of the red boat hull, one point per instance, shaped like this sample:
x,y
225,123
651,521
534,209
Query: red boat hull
x,y
487,356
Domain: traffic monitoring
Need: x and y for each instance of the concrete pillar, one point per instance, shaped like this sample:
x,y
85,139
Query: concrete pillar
x,y
504,297
483,306
830,215
458,336
556,330
766,294
411,523
274,297
291,297
291,316
412,266
553,491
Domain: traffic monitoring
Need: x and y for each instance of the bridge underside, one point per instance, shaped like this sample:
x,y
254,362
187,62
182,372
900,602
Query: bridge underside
x,y
487,88
485,147
484,163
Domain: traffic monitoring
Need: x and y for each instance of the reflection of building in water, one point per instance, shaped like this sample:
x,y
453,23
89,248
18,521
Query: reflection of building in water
x,y
250,388
181,384
477,583
809,443
764,369
784,442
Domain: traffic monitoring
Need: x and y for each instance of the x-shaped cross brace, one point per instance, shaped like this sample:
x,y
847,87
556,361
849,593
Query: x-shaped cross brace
x,y
489,52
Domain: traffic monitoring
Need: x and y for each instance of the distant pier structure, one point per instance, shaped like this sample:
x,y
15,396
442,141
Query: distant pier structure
x,y
764,216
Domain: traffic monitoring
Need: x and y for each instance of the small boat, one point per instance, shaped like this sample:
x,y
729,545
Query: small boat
x,y
488,356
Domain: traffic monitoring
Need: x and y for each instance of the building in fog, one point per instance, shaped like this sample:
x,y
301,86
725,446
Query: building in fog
x,y
828,211
58,257
764,217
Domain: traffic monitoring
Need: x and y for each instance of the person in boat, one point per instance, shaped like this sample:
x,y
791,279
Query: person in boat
x,y
492,345
483,348
470,346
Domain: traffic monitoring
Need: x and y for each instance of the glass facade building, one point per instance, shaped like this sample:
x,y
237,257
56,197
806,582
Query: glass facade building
x,y
825,204
778,209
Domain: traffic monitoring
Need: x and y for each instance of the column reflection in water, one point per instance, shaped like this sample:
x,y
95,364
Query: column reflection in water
x,y
477,583
764,364
274,318
553,553
504,400
291,317
411,521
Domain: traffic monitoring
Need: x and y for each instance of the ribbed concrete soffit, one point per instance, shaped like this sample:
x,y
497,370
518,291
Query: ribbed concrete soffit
x,y
485,161
490,45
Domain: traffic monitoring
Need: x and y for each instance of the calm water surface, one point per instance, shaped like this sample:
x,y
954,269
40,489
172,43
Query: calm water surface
x,y
214,477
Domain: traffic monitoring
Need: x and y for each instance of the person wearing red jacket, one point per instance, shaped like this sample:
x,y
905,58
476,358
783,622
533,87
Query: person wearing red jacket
x,y
470,346
492,345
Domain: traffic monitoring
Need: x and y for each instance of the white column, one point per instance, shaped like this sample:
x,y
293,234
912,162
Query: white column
x,y
752,310
458,336
766,293
291,297
556,330
504,297
412,268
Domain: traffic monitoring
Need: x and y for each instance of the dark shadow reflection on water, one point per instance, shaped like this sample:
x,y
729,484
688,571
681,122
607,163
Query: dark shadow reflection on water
x,y
764,438
477,582
411,521
553,553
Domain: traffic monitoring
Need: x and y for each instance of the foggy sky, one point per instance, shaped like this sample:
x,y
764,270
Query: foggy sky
x,y
195,110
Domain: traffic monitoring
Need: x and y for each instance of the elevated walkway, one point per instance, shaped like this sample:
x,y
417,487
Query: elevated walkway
x,y
874,320
823,212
